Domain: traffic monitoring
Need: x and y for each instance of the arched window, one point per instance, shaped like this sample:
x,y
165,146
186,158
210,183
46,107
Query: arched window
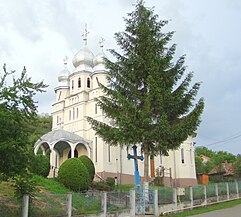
x,y
72,84
79,82
88,82
77,112
69,114
182,155
96,108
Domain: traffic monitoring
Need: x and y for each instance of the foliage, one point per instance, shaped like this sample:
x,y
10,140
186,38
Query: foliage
x,y
223,156
148,97
216,159
74,175
89,165
110,181
199,165
40,165
101,186
41,126
23,185
237,166
17,114
204,151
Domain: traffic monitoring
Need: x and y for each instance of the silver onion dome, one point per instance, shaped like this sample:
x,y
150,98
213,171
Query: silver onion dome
x,y
64,74
99,63
83,57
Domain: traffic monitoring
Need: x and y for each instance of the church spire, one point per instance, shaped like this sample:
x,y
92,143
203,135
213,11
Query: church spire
x,y
85,34
65,60
101,43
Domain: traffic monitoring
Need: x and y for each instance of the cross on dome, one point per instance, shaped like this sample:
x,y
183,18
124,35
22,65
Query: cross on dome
x,y
65,59
85,34
101,42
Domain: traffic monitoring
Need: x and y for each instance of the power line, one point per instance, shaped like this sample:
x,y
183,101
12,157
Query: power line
x,y
230,138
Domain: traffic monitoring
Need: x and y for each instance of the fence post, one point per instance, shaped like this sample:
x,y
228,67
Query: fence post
x,y
237,188
156,212
133,202
216,189
69,204
191,195
104,203
227,188
174,196
25,205
205,194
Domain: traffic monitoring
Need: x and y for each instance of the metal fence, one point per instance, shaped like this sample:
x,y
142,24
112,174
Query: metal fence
x,y
10,207
44,204
162,200
174,199
118,200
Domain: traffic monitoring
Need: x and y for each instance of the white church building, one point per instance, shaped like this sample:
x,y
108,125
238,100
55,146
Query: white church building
x,y
72,136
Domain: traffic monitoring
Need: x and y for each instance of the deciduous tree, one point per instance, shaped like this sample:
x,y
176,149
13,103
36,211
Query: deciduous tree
x,y
17,113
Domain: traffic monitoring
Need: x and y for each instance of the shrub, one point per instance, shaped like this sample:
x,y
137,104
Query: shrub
x,y
74,175
110,182
40,165
101,186
23,184
107,185
89,165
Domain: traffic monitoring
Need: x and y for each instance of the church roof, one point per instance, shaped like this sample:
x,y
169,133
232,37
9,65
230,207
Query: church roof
x,y
58,135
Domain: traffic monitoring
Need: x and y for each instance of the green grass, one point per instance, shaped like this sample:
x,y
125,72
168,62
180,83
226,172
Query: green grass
x,y
49,200
124,187
210,208
6,190
50,185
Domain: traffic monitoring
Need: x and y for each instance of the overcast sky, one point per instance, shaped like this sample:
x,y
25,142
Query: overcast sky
x,y
38,34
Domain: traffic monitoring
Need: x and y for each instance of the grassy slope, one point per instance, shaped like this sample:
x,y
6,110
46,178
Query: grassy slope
x,y
49,201
50,185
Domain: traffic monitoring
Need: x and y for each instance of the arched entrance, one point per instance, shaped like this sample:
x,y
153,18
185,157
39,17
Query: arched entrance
x,y
62,145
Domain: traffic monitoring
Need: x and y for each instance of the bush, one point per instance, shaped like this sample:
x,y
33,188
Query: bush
x,y
89,165
40,165
101,186
23,184
107,185
74,175
110,182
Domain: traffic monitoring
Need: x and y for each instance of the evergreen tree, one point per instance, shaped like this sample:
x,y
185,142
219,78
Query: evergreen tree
x,y
147,99
17,114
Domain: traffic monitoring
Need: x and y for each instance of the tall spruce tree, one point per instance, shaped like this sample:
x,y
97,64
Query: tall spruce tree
x,y
148,97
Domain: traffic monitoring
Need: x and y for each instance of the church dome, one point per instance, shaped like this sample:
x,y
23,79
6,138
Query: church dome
x,y
99,62
83,57
99,59
63,75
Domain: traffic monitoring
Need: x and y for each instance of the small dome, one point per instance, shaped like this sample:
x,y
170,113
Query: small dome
x,y
99,58
83,57
99,63
63,75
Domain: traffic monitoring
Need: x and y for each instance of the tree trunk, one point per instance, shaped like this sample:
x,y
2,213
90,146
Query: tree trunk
x,y
146,167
